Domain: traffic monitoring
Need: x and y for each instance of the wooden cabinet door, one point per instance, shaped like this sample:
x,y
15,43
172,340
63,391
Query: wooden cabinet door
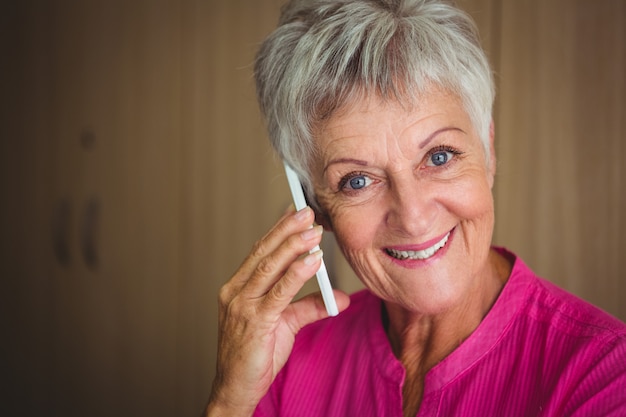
x,y
90,214
117,131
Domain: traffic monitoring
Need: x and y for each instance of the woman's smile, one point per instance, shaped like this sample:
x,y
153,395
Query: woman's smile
x,y
407,253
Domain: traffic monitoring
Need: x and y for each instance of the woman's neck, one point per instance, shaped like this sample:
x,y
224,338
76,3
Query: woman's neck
x,y
421,341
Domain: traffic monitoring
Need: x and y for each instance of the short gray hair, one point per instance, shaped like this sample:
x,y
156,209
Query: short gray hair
x,y
325,53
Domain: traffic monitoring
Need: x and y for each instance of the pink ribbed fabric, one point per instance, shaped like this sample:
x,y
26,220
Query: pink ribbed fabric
x,y
539,352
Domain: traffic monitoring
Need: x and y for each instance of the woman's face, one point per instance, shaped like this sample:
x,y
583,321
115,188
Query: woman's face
x,y
407,192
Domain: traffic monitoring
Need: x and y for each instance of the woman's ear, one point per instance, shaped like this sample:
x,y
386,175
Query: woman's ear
x,y
323,220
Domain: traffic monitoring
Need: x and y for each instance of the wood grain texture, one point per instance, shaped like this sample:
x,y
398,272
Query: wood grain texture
x,y
560,192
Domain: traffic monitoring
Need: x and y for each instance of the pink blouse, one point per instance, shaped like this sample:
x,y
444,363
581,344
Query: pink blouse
x,y
540,351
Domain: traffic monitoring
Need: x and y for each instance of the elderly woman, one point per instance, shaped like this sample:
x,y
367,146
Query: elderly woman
x,y
384,109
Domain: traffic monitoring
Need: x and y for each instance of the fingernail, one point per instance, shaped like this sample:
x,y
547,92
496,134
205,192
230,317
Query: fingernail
x,y
303,214
313,257
312,233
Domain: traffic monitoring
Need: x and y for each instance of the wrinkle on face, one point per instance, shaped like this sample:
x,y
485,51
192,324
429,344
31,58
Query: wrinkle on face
x,y
409,202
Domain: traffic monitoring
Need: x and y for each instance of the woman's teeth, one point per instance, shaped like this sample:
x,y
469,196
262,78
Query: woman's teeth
x,y
419,254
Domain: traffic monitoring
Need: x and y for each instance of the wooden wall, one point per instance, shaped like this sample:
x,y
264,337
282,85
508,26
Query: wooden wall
x,y
561,191
135,176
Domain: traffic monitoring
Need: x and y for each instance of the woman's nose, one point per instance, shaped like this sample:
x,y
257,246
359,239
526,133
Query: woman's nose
x,y
412,208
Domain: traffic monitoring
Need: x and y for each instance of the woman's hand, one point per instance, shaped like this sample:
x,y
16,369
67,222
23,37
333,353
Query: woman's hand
x,y
258,320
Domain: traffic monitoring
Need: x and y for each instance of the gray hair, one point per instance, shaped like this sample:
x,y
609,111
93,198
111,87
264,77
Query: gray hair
x,y
325,53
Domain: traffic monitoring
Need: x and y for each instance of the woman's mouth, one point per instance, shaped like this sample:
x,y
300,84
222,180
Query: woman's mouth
x,y
418,254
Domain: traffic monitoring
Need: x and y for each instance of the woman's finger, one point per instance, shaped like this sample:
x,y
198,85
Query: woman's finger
x,y
283,291
311,308
272,268
290,223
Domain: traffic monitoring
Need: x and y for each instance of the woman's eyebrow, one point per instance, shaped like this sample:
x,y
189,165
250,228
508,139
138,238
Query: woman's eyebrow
x,y
345,161
433,135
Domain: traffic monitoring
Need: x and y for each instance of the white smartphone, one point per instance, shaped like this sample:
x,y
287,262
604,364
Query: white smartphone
x,y
322,274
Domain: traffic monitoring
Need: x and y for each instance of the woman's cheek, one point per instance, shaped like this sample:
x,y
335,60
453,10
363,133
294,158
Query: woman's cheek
x,y
341,211
468,195
480,198
355,227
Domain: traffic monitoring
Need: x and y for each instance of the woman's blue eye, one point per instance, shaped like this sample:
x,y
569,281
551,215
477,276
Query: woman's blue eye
x,y
440,158
357,183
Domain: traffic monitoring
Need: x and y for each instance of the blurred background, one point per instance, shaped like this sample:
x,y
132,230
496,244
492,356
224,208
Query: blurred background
x,y
135,175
